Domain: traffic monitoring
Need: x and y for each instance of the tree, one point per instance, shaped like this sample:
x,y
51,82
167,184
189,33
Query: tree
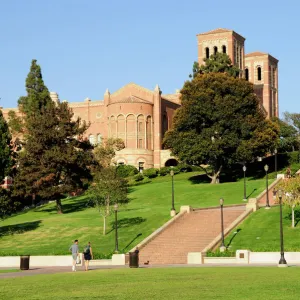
x,y
107,189
106,151
220,122
287,136
293,119
291,198
216,63
8,205
55,159
6,159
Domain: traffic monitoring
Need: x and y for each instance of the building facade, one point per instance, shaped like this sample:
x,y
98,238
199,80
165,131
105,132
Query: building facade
x,y
141,116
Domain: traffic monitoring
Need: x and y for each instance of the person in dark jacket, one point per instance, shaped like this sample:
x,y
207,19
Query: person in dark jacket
x,y
88,255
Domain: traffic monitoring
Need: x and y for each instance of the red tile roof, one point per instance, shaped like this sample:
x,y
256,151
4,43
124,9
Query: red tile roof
x,y
218,30
256,53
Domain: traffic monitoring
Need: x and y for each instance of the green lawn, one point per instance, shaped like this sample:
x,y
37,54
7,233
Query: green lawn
x,y
43,231
260,232
173,283
9,271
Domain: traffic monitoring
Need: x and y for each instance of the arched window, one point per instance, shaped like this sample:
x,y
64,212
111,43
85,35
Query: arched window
x,y
92,139
99,139
215,50
207,52
259,73
224,49
247,74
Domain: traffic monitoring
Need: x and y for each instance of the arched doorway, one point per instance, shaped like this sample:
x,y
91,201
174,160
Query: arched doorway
x,y
172,162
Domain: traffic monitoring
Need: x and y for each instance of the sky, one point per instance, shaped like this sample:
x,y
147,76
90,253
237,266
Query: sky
x,y
85,47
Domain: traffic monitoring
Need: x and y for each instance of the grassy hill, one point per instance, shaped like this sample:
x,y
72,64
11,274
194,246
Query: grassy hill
x,y
260,232
42,231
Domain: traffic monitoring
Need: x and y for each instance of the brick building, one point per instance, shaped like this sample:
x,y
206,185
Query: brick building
x,y
141,116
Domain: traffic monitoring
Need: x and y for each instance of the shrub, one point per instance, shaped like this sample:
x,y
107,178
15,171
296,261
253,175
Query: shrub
x,y
176,170
150,173
126,170
164,171
138,177
184,167
217,253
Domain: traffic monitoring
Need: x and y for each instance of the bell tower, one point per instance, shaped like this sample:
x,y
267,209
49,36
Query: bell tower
x,y
224,41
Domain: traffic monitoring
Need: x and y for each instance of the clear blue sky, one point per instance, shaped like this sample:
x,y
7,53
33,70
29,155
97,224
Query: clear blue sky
x,y
85,47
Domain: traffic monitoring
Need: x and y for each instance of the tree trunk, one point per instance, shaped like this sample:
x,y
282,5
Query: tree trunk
x,y
215,176
59,206
104,225
293,217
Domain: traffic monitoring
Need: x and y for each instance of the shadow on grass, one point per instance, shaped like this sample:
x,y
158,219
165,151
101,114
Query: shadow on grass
x,y
19,228
234,235
201,178
127,246
248,196
126,222
68,206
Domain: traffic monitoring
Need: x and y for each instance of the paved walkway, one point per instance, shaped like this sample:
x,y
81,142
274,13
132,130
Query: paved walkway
x,y
56,270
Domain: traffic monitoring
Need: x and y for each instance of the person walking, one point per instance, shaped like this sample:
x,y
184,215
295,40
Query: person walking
x,y
75,253
88,255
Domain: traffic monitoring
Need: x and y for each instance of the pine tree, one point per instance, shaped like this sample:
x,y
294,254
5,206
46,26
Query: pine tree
x,y
5,149
56,158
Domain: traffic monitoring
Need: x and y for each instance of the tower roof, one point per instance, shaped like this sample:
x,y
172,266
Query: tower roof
x,y
221,30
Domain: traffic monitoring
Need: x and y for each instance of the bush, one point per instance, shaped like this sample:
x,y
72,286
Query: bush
x,y
138,177
176,170
126,170
164,171
184,167
217,253
150,173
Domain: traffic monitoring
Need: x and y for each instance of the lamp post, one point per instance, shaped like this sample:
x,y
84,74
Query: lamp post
x,y
173,211
116,228
245,195
282,261
266,167
222,247
275,154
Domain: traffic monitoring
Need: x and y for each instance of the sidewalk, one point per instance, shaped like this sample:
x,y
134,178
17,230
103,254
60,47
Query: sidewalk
x,y
56,270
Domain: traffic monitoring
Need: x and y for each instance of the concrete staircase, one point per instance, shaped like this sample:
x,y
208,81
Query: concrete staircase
x,y
191,232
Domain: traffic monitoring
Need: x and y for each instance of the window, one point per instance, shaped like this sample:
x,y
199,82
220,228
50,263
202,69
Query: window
x,y
99,138
247,74
224,49
121,163
259,73
207,52
215,50
92,139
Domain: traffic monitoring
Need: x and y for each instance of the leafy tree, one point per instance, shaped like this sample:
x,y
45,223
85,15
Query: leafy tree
x,y
106,151
291,197
220,122
293,119
287,136
55,159
107,189
216,63
6,160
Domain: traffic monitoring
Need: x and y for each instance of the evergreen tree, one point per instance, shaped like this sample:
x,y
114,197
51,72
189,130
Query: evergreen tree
x,y
55,159
6,160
